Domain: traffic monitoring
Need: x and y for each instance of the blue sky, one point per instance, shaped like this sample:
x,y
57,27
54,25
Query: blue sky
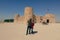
x,y
8,8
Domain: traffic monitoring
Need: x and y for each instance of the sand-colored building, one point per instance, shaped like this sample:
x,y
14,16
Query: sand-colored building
x,y
49,18
28,13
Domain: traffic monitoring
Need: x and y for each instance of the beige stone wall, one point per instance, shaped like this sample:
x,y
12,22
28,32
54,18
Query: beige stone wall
x,y
43,19
16,18
51,18
21,19
38,19
28,13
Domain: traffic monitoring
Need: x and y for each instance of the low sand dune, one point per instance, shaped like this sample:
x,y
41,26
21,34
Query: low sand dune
x,y
12,31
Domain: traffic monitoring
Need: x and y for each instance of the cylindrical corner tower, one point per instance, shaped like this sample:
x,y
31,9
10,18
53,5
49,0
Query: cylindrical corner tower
x,y
28,13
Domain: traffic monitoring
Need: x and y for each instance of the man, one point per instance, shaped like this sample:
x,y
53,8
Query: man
x,y
29,27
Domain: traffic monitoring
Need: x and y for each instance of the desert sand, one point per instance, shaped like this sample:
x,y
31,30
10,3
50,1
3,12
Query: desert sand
x,y
17,31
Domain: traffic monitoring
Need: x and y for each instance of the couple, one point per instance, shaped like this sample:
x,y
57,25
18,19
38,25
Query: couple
x,y
30,27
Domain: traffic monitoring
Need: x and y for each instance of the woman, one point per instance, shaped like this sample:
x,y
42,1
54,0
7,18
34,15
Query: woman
x,y
32,26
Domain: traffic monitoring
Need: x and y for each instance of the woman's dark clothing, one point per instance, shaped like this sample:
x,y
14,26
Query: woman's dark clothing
x,y
32,25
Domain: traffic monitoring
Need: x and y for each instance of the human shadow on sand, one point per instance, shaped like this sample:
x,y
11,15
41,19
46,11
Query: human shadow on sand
x,y
34,32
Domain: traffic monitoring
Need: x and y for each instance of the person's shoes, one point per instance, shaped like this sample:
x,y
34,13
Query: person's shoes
x,y
32,32
29,33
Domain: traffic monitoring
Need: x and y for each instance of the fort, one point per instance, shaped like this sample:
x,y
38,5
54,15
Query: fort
x,y
28,13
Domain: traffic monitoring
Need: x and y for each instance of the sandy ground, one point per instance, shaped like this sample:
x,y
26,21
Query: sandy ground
x,y
17,31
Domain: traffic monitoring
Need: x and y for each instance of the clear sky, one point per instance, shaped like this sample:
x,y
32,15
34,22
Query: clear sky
x,y
8,8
